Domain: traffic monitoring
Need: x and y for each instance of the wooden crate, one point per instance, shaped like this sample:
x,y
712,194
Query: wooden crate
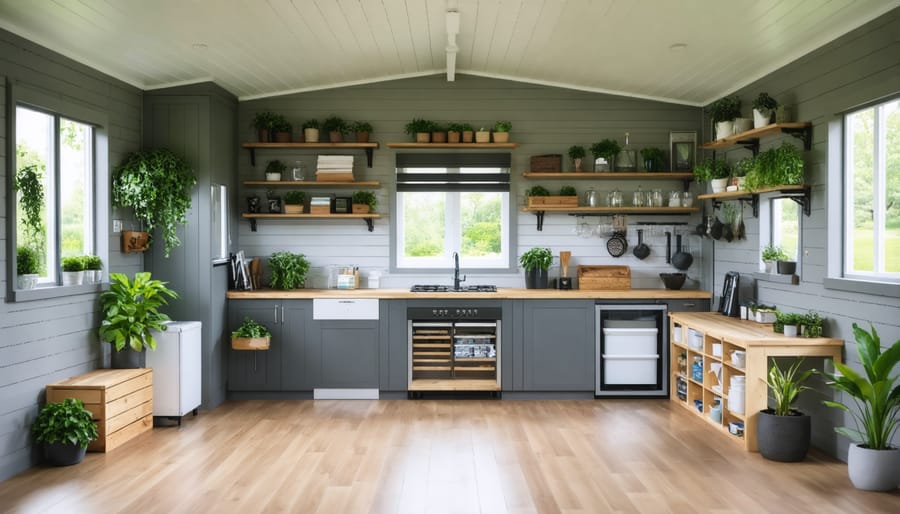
x,y
334,177
546,163
552,201
121,401
250,343
604,277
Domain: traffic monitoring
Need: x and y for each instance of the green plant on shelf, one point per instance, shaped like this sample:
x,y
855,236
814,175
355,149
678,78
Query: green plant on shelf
x,y
607,148
365,198
334,124
567,191
725,109
502,126
576,152
773,252
294,198
251,329
418,126
537,191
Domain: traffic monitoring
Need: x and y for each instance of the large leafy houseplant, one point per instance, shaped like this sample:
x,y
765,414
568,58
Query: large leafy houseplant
x,y
288,270
131,310
65,428
157,185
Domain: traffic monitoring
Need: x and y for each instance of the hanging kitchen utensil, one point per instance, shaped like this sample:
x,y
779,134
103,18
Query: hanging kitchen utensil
x,y
715,231
741,232
701,227
668,248
641,251
681,260
617,245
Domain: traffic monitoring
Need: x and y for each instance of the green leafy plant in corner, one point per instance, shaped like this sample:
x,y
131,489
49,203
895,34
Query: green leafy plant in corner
x,y
725,109
65,422
536,258
786,386
251,329
607,148
567,191
876,401
131,310
365,198
28,262
73,263
294,197
288,270
576,152
276,166
537,191
502,126
28,182
157,185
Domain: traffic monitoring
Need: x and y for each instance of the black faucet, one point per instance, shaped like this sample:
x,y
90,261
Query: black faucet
x,y
456,279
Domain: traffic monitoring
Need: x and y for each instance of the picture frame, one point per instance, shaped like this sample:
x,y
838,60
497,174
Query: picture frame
x,y
683,146
341,205
275,206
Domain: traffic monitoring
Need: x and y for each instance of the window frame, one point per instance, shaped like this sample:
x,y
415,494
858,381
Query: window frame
x,y
33,98
836,278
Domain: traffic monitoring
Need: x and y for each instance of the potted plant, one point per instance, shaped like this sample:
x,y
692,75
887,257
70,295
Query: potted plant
x,y
653,158
604,154
130,314
576,153
771,254
72,270
264,122
293,202
438,133
311,131
536,196
567,191
93,269
454,132
714,171
288,270
28,265
788,323
872,462
786,265
251,336
763,108
157,185
274,170
536,262
468,133
812,324
722,112
782,165
65,429
501,131
420,130
361,130
782,432
282,129
335,127
483,135
363,202
740,170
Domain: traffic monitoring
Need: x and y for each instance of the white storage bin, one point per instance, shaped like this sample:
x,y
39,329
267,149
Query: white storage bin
x,y
630,341
695,339
629,369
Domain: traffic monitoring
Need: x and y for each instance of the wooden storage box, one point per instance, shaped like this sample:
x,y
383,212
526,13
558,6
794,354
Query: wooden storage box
x,y
121,401
552,201
320,209
604,277
334,177
250,343
546,163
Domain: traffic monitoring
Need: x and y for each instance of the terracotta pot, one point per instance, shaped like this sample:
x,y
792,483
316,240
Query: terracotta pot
x,y
453,136
439,137
282,137
293,209
336,137
362,137
501,137
468,136
360,208
423,137
263,135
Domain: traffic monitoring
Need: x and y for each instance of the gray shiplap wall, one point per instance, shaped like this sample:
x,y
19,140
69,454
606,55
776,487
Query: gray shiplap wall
x,y
858,67
49,340
545,120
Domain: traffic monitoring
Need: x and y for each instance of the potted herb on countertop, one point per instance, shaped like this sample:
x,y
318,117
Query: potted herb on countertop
x,y
65,429
605,153
576,153
288,270
251,336
536,262
782,432
363,202
311,131
872,462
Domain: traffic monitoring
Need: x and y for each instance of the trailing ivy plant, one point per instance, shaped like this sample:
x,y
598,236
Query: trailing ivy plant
x,y
29,182
157,185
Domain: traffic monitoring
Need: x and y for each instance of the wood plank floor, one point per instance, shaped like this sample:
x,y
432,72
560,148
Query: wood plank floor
x,y
437,456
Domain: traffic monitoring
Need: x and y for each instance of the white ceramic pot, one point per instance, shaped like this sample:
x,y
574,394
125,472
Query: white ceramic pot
x,y
724,129
72,278
739,358
770,266
311,135
742,125
273,177
874,470
761,120
27,281
790,330
718,185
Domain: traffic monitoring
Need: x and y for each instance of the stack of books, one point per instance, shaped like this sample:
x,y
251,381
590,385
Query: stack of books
x,y
320,205
334,168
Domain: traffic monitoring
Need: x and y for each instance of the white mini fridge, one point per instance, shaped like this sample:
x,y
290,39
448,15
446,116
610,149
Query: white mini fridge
x,y
176,364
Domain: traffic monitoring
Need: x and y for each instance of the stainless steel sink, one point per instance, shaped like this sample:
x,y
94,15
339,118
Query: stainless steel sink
x,y
434,288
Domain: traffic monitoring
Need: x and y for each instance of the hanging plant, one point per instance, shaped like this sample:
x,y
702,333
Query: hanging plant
x,y
157,185
29,183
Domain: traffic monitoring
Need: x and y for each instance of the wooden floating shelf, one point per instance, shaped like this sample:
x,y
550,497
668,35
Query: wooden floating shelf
x,y
799,193
368,218
590,175
311,183
581,211
453,145
368,147
750,138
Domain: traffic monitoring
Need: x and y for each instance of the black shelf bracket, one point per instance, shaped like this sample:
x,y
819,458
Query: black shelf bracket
x,y
540,220
801,197
252,156
369,157
370,222
252,224
751,144
803,134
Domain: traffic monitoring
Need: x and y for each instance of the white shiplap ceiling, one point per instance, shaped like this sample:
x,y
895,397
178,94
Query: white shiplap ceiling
x,y
258,48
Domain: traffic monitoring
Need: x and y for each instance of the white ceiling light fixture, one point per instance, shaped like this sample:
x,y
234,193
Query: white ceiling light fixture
x,y
452,48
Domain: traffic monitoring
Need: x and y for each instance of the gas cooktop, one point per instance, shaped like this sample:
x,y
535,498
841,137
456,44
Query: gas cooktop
x,y
432,288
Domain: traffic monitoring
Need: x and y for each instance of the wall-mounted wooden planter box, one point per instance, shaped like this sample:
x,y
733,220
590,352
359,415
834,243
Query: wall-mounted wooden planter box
x,y
250,343
555,201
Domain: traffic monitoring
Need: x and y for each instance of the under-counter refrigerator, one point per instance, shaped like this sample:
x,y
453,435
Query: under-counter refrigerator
x,y
176,364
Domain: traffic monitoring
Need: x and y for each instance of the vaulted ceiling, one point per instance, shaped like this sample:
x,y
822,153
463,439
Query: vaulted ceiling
x,y
684,51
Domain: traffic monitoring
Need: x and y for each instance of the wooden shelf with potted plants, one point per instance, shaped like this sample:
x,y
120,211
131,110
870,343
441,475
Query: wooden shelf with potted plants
x,y
429,134
363,207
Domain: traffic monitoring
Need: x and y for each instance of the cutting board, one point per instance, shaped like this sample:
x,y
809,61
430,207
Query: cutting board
x,y
604,277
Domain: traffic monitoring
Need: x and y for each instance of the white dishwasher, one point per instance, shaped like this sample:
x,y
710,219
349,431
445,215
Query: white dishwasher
x,y
631,350
346,349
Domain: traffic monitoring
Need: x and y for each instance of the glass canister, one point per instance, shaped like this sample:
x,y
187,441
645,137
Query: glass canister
x,y
614,198
656,198
297,171
687,199
675,199
637,198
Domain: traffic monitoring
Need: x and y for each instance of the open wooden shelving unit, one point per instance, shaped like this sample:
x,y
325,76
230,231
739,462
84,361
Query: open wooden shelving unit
x,y
368,218
482,146
799,193
368,147
750,138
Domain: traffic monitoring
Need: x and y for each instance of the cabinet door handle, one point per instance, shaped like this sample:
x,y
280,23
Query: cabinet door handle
x,y
282,314
691,304
276,314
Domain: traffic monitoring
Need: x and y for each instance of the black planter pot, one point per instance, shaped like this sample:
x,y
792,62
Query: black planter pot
x,y
128,358
63,454
536,279
783,438
787,267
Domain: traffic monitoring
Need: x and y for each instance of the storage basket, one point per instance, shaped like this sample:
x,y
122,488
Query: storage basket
x,y
604,277
546,163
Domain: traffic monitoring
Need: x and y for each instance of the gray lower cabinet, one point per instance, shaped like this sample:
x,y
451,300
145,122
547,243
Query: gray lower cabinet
x,y
557,344
257,370
394,347
295,325
343,354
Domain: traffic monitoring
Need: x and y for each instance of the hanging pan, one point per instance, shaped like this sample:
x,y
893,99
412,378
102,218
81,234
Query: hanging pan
x,y
641,251
681,260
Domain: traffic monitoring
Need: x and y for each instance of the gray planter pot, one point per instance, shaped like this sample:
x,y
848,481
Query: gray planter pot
x,y
536,279
63,454
783,438
874,470
128,358
787,267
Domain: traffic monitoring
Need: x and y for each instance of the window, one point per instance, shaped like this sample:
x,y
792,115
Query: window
x,y
785,230
450,203
871,242
55,169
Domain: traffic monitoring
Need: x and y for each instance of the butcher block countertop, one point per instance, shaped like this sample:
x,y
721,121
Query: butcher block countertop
x,y
501,294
